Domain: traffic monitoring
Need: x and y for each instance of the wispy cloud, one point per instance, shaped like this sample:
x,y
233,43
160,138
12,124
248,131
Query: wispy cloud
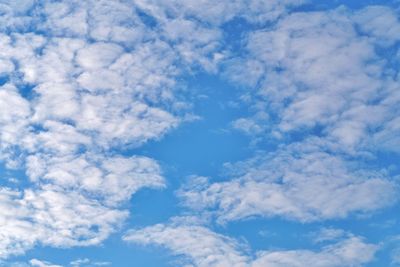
x,y
39,263
202,247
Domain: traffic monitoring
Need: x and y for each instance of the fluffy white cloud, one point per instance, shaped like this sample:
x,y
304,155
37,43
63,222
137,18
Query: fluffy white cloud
x,y
301,182
111,179
349,252
88,262
39,263
380,22
221,12
81,82
319,70
34,216
320,80
14,111
86,78
202,247
201,43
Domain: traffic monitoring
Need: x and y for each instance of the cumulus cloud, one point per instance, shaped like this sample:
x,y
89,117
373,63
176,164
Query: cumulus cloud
x,y
318,70
202,247
34,216
221,12
39,263
300,182
80,84
88,262
380,22
326,93
349,252
113,179
84,80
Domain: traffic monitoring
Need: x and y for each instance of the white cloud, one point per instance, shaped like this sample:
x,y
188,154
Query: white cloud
x,y
201,43
326,85
86,78
319,71
39,263
63,126
380,22
14,112
349,252
13,14
395,256
202,247
221,12
88,262
328,234
301,182
34,216
248,126
111,179
98,55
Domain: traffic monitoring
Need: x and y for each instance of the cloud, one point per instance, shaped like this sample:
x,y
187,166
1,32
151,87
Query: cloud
x,y
201,43
304,80
324,91
98,55
395,257
299,182
111,179
218,13
88,262
328,234
64,127
380,22
33,216
324,99
349,252
84,81
39,263
14,111
247,126
202,247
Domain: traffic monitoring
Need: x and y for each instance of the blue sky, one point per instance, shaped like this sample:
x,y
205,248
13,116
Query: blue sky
x,y
257,133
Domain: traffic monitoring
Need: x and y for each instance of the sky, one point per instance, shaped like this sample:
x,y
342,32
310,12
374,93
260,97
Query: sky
x,y
240,133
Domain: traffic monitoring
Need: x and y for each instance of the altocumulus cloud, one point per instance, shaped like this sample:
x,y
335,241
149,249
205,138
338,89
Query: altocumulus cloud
x,y
326,94
202,247
83,80
80,79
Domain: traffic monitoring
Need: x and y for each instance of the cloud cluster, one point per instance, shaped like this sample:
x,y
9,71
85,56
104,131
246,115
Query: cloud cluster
x,y
80,80
323,89
325,70
39,263
297,182
200,247
53,217
327,96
